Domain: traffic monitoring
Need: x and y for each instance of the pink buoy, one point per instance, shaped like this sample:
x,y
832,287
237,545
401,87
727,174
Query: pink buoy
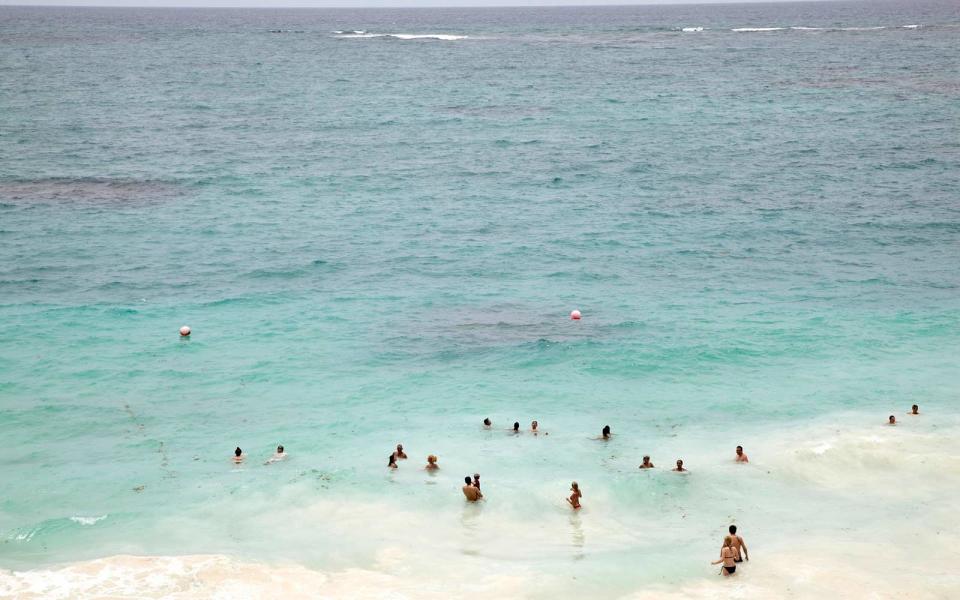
x,y
184,331
575,315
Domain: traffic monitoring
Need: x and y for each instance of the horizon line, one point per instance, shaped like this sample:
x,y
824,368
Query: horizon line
x,y
575,4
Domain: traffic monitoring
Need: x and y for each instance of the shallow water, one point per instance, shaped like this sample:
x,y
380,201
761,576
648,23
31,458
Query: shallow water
x,y
377,238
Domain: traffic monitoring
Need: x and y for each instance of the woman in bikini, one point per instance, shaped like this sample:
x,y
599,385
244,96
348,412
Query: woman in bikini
x,y
727,555
575,495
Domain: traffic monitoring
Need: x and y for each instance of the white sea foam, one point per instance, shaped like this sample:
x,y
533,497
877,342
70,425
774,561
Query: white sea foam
x,y
911,26
756,29
406,36
88,520
692,29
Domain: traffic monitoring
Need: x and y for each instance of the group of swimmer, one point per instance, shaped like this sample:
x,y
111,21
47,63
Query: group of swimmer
x,y
733,551
914,410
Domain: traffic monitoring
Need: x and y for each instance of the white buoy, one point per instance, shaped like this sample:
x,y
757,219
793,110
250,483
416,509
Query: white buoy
x,y
575,315
184,331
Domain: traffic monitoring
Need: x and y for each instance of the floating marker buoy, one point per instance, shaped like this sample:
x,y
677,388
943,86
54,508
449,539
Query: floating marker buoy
x,y
184,331
575,315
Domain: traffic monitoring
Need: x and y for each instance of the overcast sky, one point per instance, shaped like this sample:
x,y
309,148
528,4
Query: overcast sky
x,y
348,3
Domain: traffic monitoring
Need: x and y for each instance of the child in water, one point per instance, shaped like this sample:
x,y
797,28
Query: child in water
x,y
575,495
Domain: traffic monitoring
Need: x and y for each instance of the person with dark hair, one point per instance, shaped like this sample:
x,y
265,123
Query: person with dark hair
x,y
487,423
278,456
914,410
680,468
238,455
400,453
476,480
471,492
605,434
892,420
516,427
646,464
392,461
739,546
741,457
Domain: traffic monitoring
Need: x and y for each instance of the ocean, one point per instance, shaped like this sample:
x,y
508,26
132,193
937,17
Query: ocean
x,y
377,222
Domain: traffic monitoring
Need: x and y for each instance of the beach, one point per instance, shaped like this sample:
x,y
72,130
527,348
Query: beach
x,y
376,224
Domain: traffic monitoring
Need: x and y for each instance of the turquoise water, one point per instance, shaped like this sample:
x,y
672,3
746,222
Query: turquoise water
x,y
379,239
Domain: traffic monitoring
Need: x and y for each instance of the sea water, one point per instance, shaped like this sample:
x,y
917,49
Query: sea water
x,y
377,222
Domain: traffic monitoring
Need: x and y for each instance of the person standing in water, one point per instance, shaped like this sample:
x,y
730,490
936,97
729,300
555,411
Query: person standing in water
x,y
238,455
739,546
392,461
432,463
476,480
741,457
533,427
726,557
400,453
575,495
680,468
471,492
646,464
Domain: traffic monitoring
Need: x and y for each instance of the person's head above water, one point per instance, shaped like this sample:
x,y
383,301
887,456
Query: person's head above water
x,y
487,422
516,425
533,424
238,451
606,430
467,480
739,450
893,420
432,458
733,529
280,449
679,463
915,409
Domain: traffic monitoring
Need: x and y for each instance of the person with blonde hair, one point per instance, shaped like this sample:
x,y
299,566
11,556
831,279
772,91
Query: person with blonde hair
x,y
727,554
575,495
432,463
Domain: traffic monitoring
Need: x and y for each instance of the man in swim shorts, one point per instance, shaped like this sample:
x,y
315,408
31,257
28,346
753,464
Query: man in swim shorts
x,y
469,491
739,546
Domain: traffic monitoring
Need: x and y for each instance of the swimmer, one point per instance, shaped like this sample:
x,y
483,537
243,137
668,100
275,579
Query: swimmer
x,y
238,455
476,480
400,454
533,427
605,434
516,427
278,456
914,410
432,463
892,420
739,546
471,492
726,557
487,423
646,464
680,468
392,461
741,457
575,495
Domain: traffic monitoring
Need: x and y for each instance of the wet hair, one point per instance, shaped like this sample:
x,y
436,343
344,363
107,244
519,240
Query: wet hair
x,y
399,446
915,407
679,461
606,430
516,425
893,418
238,451
467,480
280,448
645,457
739,447
733,529
486,421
